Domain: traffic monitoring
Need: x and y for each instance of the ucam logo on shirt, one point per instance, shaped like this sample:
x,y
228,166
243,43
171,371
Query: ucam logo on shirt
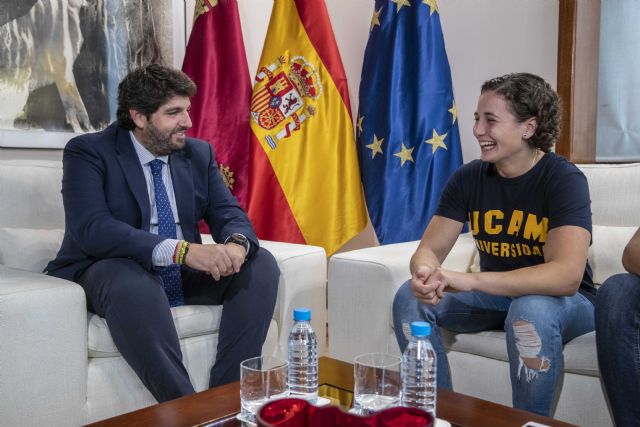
x,y
530,230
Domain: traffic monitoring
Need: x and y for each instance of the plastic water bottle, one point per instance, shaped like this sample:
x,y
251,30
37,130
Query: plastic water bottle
x,y
303,357
419,370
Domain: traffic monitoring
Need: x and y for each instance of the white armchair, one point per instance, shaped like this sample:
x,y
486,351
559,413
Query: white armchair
x,y
58,363
362,284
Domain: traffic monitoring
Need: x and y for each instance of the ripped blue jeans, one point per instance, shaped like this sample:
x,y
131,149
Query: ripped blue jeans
x,y
536,326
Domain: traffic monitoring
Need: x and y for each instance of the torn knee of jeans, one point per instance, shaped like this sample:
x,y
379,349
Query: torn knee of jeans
x,y
540,364
529,345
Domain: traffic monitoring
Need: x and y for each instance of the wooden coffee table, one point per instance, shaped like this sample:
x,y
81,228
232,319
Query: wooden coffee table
x,y
218,406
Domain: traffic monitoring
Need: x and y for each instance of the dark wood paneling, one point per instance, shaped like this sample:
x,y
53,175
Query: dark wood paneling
x,y
578,47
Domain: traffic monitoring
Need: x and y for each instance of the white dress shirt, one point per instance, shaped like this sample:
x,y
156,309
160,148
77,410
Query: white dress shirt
x,y
163,252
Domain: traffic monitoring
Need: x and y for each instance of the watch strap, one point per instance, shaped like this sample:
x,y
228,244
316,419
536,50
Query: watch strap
x,y
242,241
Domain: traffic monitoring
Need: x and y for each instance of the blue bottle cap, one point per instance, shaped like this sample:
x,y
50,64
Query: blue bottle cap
x,y
301,313
420,329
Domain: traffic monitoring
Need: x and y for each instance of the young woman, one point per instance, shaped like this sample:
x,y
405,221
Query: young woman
x,y
529,212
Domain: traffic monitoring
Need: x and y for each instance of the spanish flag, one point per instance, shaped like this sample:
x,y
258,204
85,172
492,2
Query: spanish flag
x,y
304,180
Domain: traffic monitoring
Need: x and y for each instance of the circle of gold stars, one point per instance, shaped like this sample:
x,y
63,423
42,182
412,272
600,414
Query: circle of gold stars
x,y
436,141
375,19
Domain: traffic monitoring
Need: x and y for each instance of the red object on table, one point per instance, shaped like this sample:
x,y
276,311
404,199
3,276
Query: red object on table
x,y
300,413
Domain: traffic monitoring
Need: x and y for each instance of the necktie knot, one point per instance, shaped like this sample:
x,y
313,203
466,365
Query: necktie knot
x,y
156,167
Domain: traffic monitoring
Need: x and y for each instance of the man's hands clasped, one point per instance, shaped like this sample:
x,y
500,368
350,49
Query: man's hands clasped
x,y
217,259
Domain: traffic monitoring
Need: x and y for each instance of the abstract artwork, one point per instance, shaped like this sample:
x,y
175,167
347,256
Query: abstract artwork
x,y
61,61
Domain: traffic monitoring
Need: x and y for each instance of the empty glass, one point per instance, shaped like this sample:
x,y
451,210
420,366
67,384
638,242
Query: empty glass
x,y
262,379
377,382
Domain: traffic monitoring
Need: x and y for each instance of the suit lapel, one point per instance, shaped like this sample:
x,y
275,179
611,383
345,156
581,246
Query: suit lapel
x,y
132,170
180,164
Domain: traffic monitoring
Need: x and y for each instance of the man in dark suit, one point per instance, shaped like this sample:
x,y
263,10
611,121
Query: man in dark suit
x,y
133,195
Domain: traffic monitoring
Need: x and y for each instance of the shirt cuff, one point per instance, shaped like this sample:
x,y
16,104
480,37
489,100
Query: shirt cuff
x,y
163,253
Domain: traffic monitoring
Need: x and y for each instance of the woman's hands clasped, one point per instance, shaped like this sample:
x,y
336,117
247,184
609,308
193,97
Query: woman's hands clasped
x,y
429,284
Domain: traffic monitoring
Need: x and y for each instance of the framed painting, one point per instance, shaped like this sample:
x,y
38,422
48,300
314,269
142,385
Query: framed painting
x,y
61,62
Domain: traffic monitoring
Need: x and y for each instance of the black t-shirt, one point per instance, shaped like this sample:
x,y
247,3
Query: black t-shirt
x,y
510,217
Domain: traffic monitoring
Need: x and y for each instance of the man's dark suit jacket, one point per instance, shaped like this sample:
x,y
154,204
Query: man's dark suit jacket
x,y
106,202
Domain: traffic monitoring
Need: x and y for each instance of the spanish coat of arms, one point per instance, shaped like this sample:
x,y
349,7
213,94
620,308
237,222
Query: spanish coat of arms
x,y
284,97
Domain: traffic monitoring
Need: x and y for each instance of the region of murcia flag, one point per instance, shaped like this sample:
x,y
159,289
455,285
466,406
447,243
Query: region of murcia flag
x,y
215,60
304,175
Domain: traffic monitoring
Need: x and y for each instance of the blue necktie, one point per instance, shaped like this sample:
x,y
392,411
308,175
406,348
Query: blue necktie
x,y
166,228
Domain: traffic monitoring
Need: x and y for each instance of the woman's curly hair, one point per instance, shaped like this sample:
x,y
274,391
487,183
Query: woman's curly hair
x,y
530,96
147,88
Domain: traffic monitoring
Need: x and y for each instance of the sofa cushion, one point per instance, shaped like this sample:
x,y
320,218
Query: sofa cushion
x,y
29,248
35,181
614,193
605,254
579,354
190,321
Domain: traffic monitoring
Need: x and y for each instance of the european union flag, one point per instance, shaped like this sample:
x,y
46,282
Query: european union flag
x,y
407,127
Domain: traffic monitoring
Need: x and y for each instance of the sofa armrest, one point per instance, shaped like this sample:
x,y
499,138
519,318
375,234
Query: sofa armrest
x,y
362,285
462,254
43,355
303,283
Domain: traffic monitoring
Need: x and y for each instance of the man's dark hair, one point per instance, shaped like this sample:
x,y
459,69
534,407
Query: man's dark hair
x,y
530,96
147,88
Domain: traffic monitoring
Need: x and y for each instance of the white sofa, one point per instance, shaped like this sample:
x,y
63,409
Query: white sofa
x,y
58,364
362,284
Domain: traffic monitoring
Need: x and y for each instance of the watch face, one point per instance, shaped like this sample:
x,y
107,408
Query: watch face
x,y
239,238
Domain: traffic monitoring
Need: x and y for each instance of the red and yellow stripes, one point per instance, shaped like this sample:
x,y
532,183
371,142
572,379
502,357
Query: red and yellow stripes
x,y
305,180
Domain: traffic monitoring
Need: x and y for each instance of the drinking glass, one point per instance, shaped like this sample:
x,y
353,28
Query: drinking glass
x,y
262,379
377,382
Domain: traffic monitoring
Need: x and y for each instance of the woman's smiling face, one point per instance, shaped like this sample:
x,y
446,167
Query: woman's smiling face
x,y
499,133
